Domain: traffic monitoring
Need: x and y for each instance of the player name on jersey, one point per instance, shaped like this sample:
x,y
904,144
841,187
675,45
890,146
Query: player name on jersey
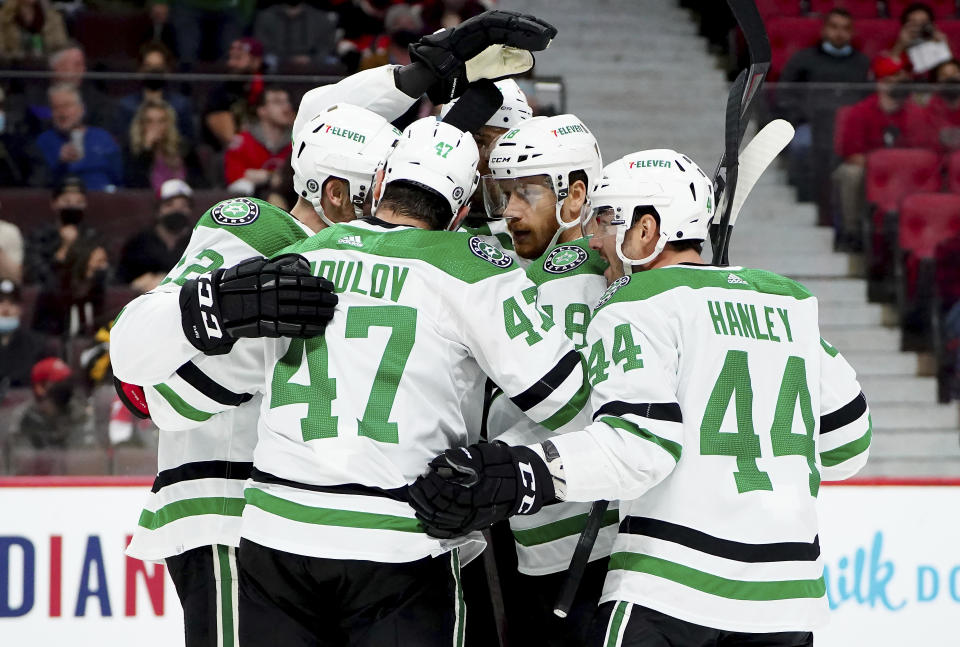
x,y
734,318
376,280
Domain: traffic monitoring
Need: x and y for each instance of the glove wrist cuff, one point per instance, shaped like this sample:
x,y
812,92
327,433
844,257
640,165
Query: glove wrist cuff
x,y
200,315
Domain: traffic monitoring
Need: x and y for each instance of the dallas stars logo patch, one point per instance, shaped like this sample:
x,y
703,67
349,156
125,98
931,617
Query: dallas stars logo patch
x,y
616,285
564,258
236,212
489,252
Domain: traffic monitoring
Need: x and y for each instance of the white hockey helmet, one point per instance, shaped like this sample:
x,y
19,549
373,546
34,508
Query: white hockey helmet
x,y
513,111
343,141
660,180
552,147
438,157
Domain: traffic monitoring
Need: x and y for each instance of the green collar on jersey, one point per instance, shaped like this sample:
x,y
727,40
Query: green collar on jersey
x,y
259,224
644,285
502,237
462,256
565,260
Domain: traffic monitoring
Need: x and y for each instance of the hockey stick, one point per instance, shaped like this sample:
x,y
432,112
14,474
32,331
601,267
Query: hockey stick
x,y
741,97
755,159
581,556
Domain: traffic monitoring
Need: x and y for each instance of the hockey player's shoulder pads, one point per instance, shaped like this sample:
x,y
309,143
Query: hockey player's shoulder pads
x,y
260,225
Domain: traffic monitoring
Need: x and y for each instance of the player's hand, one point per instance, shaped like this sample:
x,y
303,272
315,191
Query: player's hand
x,y
258,297
69,153
493,45
470,488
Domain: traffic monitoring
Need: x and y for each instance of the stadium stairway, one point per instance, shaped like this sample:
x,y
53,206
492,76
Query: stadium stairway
x,y
640,77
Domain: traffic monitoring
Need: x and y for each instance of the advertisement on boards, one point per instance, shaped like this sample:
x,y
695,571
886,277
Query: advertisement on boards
x,y
891,557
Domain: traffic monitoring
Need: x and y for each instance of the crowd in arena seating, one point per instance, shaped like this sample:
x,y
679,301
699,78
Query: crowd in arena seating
x,y
874,90
120,123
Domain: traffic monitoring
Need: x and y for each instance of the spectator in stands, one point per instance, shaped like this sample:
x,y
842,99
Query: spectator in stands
x,y
260,150
155,150
148,256
56,419
943,110
13,143
73,148
73,305
403,26
30,28
885,119
279,190
833,60
156,61
69,66
11,252
232,104
444,14
47,246
920,46
214,23
297,35
20,347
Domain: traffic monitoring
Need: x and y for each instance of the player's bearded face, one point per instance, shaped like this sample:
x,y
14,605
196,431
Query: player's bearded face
x,y
600,227
530,207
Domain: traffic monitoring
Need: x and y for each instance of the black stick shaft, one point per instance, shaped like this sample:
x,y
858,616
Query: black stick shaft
x,y
581,556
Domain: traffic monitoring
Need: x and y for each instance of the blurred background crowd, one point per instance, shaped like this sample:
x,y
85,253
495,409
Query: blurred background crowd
x,y
122,122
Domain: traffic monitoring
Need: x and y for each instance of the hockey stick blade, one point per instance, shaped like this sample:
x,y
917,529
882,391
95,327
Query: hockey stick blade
x,y
756,157
581,556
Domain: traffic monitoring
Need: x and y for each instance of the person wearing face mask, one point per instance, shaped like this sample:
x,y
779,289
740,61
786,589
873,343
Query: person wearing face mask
x,y
147,257
885,119
156,61
810,107
20,347
47,246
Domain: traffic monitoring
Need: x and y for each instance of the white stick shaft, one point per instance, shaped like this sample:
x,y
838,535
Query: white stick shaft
x,y
756,157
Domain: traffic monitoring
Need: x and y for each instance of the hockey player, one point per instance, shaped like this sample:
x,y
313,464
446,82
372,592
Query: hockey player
x,y
331,546
521,190
192,518
717,408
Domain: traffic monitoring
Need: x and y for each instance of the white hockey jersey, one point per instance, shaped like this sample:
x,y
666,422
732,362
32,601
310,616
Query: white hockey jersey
x,y
349,419
718,505
569,279
197,497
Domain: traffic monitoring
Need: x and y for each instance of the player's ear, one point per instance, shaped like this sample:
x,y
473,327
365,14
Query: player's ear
x,y
335,191
576,197
461,214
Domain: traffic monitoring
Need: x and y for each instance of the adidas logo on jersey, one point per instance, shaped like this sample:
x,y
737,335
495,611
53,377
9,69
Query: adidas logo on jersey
x,y
351,240
733,279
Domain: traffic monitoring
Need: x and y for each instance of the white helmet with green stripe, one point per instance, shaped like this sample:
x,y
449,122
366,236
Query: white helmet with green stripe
x,y
438,157
343,141
663,182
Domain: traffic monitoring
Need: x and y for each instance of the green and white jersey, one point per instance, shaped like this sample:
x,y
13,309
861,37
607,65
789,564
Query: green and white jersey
x,y
349,419
718,505
203,460
569,279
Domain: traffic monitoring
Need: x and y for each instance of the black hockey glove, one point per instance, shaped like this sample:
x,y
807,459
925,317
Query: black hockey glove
x,y
258,297
453,56
470,488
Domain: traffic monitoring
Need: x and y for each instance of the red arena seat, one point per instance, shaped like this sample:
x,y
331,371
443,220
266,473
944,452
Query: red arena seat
x,y
894,173
941,8
776,8
857,8
874,35
926,221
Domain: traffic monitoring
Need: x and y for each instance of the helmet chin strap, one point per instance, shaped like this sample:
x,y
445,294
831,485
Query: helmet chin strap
x,y
628,262
318,208
563,226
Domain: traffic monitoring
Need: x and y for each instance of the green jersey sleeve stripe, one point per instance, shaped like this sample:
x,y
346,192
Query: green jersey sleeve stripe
x,y
180,405
229,507
829,349
561,528
671,447
329,516
571,408
758,591
846,452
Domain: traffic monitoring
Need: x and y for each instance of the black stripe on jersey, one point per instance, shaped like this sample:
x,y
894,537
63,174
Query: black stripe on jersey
x,y
202,470
844,415
546,385
397,494
202,383
669,411
791,551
